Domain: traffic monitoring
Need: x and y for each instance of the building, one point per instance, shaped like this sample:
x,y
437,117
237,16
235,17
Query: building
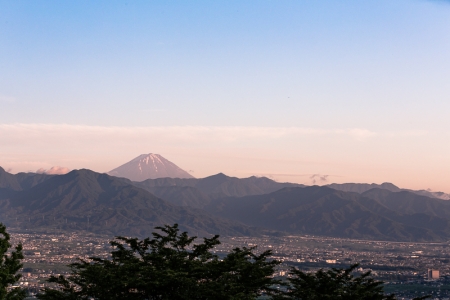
x,y
433,274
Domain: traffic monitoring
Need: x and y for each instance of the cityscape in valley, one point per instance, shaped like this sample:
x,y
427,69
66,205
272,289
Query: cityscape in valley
x,y
401,236
404,266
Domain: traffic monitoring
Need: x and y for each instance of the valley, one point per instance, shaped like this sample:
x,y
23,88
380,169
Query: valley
x,y
399,264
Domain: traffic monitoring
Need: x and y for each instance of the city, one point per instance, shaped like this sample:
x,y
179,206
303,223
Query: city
x,y
403,266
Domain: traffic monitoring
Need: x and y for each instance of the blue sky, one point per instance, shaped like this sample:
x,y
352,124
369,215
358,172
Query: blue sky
x,y
358,89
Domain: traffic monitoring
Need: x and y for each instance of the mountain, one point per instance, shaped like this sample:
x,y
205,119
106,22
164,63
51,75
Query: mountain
x,y
218,186
407,202
431,194
149,166
364,187
8,181
324,211
85,200
181,195
20,181
11,184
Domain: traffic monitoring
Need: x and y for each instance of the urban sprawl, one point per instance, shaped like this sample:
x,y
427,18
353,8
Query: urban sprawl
x,y
408,269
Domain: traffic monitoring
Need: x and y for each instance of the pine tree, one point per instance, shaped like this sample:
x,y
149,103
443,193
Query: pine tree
x,y
10,264
168,267
335,284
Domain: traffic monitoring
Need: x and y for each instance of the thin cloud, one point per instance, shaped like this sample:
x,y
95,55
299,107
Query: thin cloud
x,y
56,170
224,133
361,134
319,179
65,135
291,174
312,178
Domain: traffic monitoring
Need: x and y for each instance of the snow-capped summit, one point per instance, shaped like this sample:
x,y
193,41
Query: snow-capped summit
x,y
149,166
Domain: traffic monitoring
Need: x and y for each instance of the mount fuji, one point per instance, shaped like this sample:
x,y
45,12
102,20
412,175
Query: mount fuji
x,y
149,166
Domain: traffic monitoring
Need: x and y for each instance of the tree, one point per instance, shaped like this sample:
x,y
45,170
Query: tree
x,y
168,266
336,284
10,264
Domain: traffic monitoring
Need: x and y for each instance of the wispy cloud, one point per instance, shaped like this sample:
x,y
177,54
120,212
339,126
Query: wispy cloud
x,y
56,170
225,134
311,179
319,178
361,134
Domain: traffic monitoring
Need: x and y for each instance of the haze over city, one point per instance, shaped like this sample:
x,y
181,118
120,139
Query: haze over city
x,y
305,92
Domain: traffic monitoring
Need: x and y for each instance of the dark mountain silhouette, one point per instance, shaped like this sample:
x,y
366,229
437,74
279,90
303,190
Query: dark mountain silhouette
x,y
182,195
20,181
431,194
364,187
12,184
325,211
147,166
219,185
406,202
8,181
85,200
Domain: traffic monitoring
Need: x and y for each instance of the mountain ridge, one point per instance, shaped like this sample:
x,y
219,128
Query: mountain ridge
x,y
212,187
325,211
363,187
86,200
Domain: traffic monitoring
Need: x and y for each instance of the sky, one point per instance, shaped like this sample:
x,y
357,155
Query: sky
x,y
312,92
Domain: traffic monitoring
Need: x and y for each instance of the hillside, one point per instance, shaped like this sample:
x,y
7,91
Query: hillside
x,y
364,187
85,200
406,202
325,211
218,186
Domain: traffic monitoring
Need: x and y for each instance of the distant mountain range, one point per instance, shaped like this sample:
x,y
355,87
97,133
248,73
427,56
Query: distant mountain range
x,y
219,204
20,181
363,187
199,192
149,166
377,214
85,200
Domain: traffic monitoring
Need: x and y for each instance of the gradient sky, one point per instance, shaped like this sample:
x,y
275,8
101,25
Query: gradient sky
x,y
356,90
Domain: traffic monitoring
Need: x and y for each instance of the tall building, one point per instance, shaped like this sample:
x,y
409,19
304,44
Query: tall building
x,y
433,274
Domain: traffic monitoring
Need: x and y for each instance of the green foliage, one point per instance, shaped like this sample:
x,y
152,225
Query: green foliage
x,y
334,284
10,264
167,267
170,267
